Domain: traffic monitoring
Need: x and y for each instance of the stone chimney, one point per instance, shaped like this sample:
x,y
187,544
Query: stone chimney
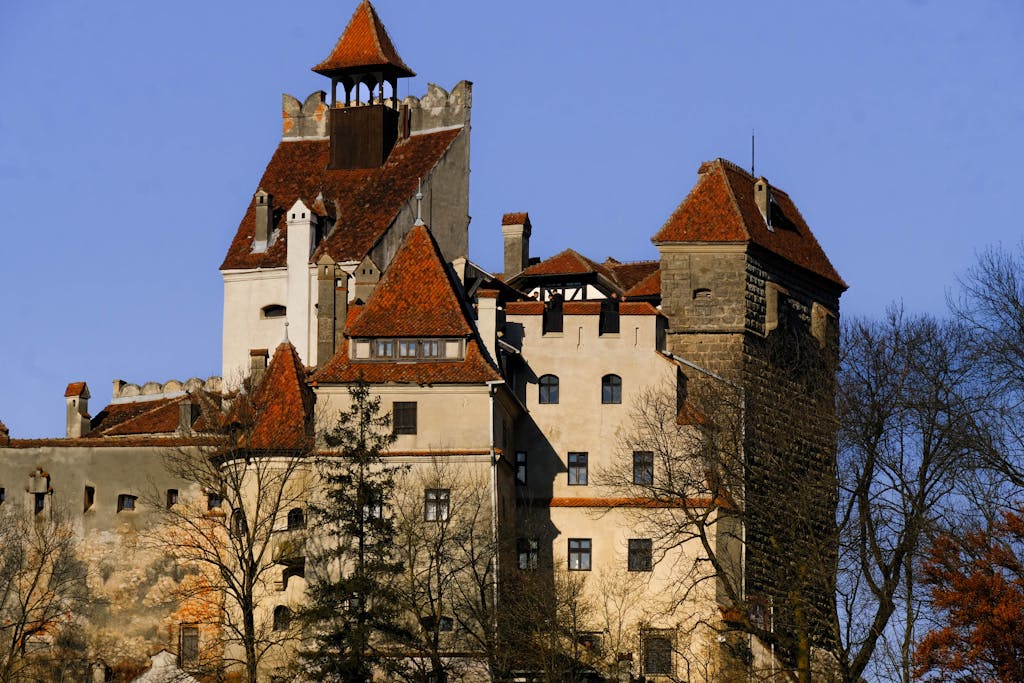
x,y
263,204
301,228
76,396
366,277
763,197
516,229
257,365
332,308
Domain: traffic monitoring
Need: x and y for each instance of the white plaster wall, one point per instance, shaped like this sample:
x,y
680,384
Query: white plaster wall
x,y
245,294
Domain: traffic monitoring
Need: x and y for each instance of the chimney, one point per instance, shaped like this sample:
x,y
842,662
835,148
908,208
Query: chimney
x,y
763,197
76,396
366,277
5,435
257,365
516,229
186,414
263,204
302,224
119,385
487,319
332,308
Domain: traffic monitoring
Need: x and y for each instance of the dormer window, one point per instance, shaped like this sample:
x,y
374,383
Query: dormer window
x,y
384,348
408,349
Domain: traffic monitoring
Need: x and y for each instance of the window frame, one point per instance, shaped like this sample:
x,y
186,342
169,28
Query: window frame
x,y
611,389
640,555
214,501
521,468
548,389
437,505
643,468
273,312
578,468
581,554
296,519
646,639
173,497
282,618
193,637
527,553
403,417
126,502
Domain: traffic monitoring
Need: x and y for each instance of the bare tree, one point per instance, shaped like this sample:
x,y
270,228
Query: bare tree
x,y
238,533
42,588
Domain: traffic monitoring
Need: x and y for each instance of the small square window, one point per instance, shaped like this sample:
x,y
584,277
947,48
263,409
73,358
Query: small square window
x,y
126,503
172,498
214,501
436,505
643,468
577,469
528,551
579,554
404,417
521,468
640,553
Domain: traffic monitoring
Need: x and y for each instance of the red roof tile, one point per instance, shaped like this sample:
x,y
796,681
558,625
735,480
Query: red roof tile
x,y
284,405
365,42
521,218
592,307
416,297
721,208
567,262
649,286
474,369
524,308
367,200
76,389
155,416
628,275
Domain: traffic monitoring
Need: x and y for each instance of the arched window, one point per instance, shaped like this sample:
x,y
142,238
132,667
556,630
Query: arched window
x,y
239,527
296,518
282,618
273,311
611,389
549,389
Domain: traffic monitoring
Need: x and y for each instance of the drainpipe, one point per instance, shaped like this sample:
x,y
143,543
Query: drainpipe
x,y
492,388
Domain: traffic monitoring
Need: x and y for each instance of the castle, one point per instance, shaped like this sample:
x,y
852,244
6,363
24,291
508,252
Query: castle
x,y
350,264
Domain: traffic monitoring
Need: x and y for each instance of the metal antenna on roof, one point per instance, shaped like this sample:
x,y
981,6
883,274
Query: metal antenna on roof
x,y
419,201
752,153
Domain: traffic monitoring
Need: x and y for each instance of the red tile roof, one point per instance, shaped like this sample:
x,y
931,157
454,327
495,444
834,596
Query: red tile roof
x,y
627,275
147,417
416,297
474,369
284,405
365,42
75,389
649,286
367,200
568,262
721,208
521,218
592,307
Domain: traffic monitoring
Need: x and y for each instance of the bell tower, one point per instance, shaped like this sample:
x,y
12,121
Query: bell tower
x,y
363,131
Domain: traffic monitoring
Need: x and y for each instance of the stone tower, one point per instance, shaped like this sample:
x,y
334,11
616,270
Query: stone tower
x,y
753,300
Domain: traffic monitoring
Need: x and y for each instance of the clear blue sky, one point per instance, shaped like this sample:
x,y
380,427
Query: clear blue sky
x,y
132,135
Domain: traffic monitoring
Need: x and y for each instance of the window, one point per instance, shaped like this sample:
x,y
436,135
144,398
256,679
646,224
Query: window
x,y
296,519
521,468
3,495
657,655
125,502
404,417
383,348
643,468
282,618
239,526
553,320
407,348
373,504
436,505
40,503
590,642
579,554
290,571
443,623
528,550
214,501
549,389
273,311
577,469
611,389
640,555
90,498
430,348
172,497
188,646
609,320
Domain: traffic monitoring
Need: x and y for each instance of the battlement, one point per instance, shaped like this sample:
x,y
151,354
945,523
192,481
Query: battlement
x,y
151,391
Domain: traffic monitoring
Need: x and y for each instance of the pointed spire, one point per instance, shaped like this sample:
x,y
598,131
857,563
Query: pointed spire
x,y
364,46
286,333
419,202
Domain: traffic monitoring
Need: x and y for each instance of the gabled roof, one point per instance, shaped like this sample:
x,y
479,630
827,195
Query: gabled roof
x,y
366,201
721,208
416,297
365,43
284,405
568,262
77,389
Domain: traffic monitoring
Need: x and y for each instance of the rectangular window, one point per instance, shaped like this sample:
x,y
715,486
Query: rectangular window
x,y
3,495
430,348
40,504
90,498
436,504
657,654
579,554
172,497
214,501
125,502
528,550
640,555
577,469
404,417
643,468
521,468
407,348
383,348
188,647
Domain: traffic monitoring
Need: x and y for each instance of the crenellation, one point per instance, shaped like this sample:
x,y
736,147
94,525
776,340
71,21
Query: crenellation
x,y
125,392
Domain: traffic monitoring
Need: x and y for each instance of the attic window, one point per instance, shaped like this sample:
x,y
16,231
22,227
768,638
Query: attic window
x,y
273,311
